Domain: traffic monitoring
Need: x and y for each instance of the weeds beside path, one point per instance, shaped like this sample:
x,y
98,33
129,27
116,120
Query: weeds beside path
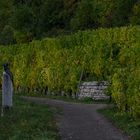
x,y
28,121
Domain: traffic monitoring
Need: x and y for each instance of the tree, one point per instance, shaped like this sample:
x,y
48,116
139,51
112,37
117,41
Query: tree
x,y
51,15
7,35
6,8
86,15
23,18
135,18
122,12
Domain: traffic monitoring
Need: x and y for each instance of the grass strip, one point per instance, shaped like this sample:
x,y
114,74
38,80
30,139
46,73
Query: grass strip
x,y
28,121
123,121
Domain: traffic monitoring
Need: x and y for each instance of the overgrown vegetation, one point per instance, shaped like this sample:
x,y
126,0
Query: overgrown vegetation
x,y
25,20
54,65
28,121
123,121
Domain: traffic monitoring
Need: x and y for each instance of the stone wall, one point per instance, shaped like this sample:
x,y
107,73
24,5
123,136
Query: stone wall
x,y
94,89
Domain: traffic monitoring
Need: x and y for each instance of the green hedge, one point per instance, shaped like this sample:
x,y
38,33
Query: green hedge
x,y
103,54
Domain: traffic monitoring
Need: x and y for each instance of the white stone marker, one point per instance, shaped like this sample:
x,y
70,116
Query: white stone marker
x,y
7,89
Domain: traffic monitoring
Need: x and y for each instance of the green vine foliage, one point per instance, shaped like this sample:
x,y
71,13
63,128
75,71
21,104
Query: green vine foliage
x,y
56,64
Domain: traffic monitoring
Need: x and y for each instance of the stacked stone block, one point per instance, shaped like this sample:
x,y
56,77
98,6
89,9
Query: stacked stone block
x,y
94,90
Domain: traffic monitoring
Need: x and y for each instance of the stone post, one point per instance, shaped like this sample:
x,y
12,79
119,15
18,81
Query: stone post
x,y
7,89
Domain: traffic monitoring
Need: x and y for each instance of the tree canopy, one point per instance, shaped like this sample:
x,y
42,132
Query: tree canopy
x,y
33,19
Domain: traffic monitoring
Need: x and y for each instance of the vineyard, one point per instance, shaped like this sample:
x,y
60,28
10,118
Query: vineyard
x,y
56,64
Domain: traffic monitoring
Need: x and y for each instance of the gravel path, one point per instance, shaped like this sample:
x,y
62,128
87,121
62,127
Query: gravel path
x,y
81,121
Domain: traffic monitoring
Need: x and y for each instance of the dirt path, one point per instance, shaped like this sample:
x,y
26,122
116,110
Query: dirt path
x,y
82,122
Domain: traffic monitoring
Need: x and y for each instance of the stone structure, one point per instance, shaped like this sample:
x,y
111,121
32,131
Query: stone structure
x,y
94,90
7,87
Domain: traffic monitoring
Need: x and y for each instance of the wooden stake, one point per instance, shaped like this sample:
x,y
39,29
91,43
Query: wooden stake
x,y
81,76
